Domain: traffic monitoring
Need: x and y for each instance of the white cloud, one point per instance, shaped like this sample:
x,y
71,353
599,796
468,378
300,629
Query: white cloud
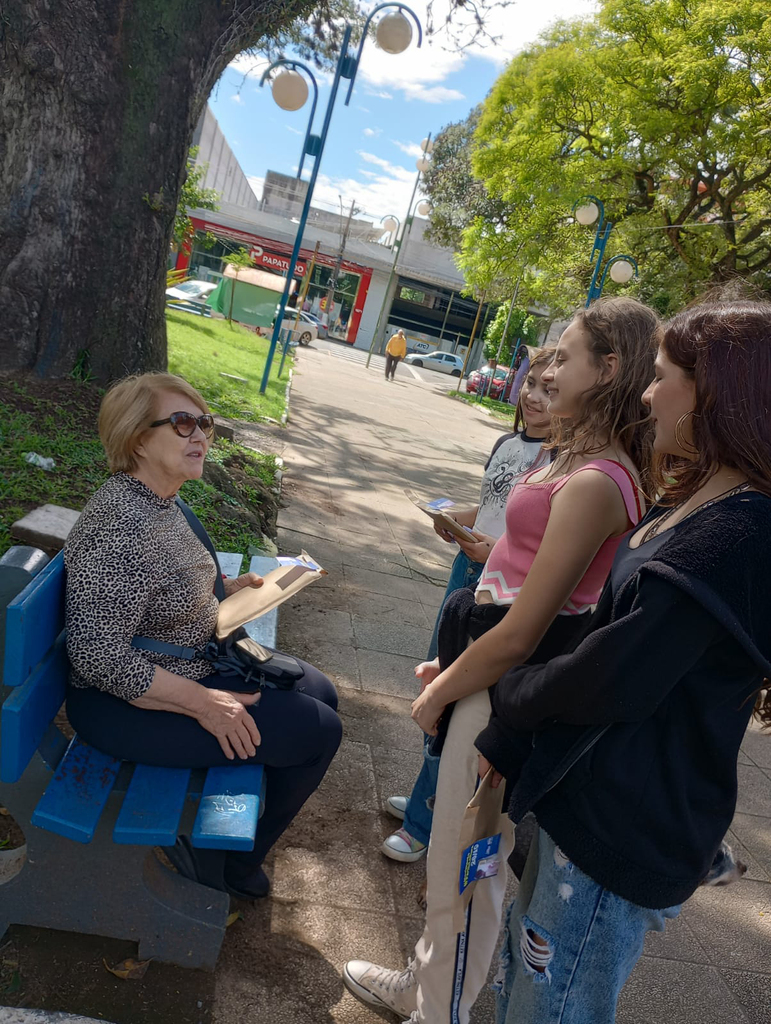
x,y
372,133
294,131
432,94
410,148
236,98
381,95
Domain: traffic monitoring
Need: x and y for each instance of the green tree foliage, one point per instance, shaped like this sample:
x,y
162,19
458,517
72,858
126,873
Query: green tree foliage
x,y
193,197
662,108
522,325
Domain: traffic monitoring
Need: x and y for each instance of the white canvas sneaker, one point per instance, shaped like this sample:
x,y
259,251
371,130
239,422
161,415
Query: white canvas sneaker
x,y
400,845
397,806
381,987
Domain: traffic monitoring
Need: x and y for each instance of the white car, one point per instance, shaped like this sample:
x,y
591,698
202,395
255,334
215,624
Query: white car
x,y
191,291
444,362
306,330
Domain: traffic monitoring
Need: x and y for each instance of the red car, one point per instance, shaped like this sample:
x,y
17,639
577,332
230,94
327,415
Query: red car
x,y
500,386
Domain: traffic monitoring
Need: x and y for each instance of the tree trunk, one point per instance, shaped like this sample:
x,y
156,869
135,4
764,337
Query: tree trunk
x,y
98,103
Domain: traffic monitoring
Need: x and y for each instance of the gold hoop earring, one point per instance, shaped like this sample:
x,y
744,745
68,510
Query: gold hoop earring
x,y
682,443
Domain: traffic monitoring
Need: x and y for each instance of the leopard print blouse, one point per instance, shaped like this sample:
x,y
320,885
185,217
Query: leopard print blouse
x,y
135,568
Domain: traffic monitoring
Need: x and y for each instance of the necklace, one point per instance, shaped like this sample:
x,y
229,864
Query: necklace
x,y
655,528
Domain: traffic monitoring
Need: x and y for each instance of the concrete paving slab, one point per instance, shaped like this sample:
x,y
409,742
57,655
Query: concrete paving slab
x,y
379,719
391,637
430,595
369,582
393,674
752,992
754,791
316,623
676,942
391,562
733,925
755,835
755,869
678,993
757,745
382,608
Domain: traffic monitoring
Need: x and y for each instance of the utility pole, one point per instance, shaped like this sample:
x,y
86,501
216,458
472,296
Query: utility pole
x,y
338,262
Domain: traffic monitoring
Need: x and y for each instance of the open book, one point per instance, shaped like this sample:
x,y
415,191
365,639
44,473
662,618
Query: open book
x,y
291,576
438,511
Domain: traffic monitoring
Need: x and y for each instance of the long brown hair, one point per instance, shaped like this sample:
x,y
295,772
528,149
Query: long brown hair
x,y
614,410
725,348
542,358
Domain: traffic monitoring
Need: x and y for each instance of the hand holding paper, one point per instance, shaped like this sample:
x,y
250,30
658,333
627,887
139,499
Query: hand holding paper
x,y
250,602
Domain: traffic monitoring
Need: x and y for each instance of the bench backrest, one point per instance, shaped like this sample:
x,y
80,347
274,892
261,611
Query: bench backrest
x,y
35,666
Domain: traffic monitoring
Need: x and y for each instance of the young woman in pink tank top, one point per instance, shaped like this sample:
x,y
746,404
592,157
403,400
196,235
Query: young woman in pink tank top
x,y
564,523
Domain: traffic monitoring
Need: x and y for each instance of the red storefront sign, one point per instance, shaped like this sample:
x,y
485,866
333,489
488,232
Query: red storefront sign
x,y
273,261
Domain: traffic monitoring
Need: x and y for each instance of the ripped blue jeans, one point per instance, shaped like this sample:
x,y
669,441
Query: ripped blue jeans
x,y
570,944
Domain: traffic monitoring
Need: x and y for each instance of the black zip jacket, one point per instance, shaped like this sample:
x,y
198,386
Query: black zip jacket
x,y
637,731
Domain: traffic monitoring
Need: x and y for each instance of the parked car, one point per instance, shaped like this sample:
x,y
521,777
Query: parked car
x,y
306,330
192,293
321,327
444,362
499,387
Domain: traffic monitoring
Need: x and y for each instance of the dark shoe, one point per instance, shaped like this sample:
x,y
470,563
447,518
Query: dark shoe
x,y
202,866
255,887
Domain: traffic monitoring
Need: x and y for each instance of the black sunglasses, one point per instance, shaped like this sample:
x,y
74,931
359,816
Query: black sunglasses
x,y
184,423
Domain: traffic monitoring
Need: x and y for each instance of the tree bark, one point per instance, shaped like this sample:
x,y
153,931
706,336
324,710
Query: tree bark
x,y
98,103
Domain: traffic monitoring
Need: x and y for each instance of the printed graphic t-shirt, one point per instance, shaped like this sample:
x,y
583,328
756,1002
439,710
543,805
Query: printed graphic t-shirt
x,y
512,456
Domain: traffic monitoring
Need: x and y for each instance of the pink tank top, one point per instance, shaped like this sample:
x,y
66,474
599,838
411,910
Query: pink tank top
x,y
527,513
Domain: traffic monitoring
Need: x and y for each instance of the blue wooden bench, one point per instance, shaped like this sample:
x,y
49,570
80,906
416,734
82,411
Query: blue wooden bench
x,y
89,819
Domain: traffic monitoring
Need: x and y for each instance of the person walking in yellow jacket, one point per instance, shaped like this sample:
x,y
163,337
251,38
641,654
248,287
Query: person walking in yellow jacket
x,y
396,349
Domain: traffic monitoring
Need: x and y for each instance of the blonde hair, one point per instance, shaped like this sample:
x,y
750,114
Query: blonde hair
x,y
128,409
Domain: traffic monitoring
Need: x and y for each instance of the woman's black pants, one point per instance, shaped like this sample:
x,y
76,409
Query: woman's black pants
x,y
300,732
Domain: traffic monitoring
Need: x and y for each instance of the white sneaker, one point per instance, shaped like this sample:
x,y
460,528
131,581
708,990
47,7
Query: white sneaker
x,y
400,845
381,987
396,806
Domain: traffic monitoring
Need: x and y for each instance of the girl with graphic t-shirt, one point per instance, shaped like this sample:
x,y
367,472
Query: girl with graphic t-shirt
x,y
533,599
512,455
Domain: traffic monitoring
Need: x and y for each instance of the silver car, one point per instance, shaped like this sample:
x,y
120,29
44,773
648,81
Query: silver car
x,y
444,362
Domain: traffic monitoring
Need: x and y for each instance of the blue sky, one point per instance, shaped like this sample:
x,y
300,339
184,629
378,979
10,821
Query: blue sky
x,y
373,144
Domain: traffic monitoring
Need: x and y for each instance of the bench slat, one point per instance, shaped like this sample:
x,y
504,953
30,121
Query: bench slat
x,y
230,562
264,629
75,797
34,619
229,808
152,806
29,710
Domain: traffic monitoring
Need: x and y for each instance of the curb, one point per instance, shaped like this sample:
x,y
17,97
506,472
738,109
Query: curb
x,y
285,413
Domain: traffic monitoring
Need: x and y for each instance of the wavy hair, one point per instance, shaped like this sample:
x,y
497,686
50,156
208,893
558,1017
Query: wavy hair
x,y
614,410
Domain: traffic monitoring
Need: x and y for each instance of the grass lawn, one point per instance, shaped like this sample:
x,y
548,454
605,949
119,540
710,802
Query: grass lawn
x,y
498,410
57,419
201,349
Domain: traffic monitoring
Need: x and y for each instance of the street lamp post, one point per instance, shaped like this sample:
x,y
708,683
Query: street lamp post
x,y
422,207
394,34
623,268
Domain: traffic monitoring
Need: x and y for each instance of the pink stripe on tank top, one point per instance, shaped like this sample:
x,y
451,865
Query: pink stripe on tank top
x,y
527,513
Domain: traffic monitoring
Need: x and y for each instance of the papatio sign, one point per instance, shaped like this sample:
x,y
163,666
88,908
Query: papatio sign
x,y
274,261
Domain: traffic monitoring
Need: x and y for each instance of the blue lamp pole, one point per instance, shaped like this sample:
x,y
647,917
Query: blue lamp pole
x,y
586,211
394,34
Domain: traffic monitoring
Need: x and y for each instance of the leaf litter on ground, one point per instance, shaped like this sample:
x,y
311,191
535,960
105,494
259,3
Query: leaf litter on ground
x,y
129,969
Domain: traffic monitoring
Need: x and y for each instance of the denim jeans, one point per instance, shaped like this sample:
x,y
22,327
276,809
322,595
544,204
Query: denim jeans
x,y
569,945
420,807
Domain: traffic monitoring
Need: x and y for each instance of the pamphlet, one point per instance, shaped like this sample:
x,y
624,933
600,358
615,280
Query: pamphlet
x,y
437,509
480,860
292,575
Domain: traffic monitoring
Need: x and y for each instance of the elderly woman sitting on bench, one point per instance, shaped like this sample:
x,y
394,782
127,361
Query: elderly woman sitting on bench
x,y
136,569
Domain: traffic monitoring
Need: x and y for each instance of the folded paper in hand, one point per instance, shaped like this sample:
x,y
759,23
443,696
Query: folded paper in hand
x,y
291,576
438,511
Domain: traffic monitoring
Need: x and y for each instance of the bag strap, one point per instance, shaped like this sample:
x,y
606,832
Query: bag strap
x,y
145,643
200,531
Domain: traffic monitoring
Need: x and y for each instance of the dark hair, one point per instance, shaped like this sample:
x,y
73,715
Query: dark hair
x,y
543,356
725,348
631,331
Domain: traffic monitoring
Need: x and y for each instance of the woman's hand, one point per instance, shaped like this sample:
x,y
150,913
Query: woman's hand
x,y
477,547
444,534
225,715
484,768
427,710
427,671
248,579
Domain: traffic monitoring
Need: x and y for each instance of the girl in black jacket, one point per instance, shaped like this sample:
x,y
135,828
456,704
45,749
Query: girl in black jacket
x,y
632,768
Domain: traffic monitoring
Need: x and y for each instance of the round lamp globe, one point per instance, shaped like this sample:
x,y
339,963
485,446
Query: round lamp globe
x,y
424,208
393,33
587,214
621,271
422,164
427,145
390,224
290,90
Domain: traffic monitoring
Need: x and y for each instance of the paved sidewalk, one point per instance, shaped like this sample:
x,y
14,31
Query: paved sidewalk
x,y
355,443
